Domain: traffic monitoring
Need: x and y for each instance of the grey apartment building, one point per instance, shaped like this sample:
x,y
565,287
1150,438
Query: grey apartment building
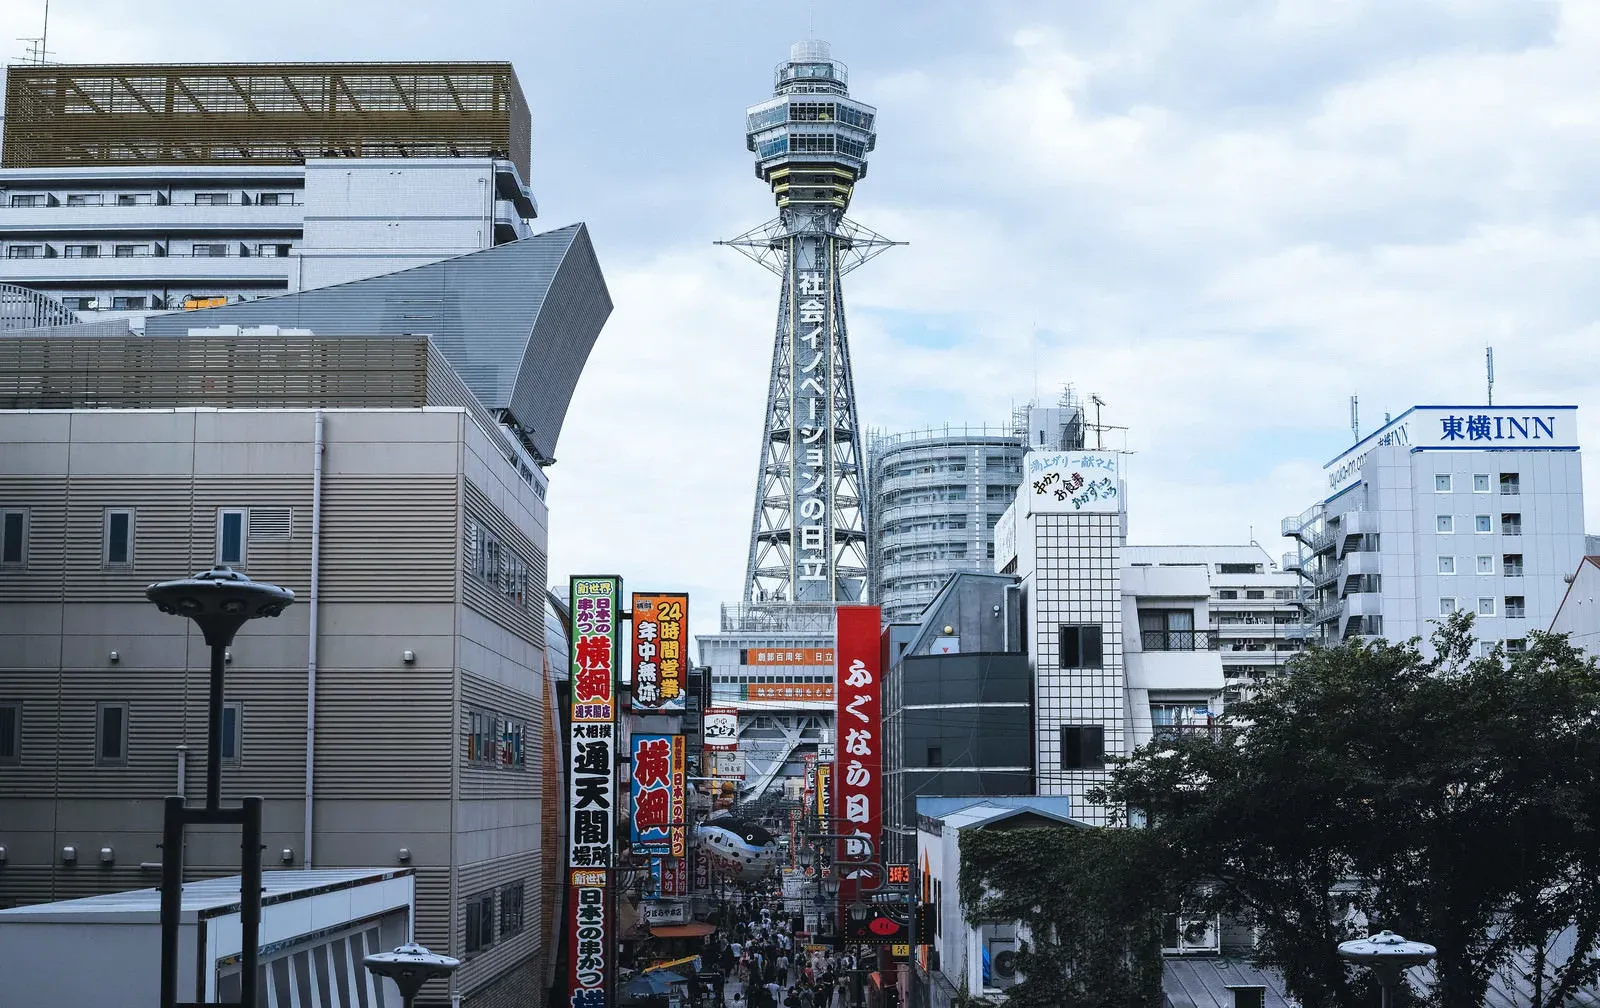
x,y
399,713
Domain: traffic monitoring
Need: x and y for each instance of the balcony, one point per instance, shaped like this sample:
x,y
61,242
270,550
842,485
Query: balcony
x,y
1292,563
1362,563
1178,640
187,217
1188,670
1363,604
114,270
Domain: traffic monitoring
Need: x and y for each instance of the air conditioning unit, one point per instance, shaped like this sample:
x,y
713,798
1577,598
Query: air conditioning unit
x,y
1000,946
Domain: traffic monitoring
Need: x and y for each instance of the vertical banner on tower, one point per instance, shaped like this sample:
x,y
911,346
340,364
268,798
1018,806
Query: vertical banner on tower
x,y
660,642
591,805
813,407
858,790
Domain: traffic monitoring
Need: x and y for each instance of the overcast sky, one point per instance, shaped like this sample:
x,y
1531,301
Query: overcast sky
x,y
1225,218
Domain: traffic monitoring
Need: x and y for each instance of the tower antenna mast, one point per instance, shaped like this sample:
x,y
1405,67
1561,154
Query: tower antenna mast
x,y
1355,417
1488,363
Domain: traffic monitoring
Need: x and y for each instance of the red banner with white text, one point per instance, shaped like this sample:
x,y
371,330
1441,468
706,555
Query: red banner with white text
x,y
856,781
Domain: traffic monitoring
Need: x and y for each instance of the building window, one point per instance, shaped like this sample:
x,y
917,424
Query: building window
x,y
232,731
1447,565
1516,607
1168,630
85,199
275,250
480,922
212,250
31,200
117,538
1083,747
1081,646
130,251
1486,607
1441,483
1516,645
129,303
1510,483
1447,606
1445,523
275,199
1511,524
10,732
1482,523
935,756
1255,593
81,303
135,199
25,252
81,251
1238,568
13,537
1511,565
1486,565
212,199
231,526
111,734
512,900
1228,593
480,737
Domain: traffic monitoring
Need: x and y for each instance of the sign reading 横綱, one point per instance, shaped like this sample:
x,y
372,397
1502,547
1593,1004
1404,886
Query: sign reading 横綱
x,y
659,640
1440,428
857,790
592,782
650,785
1071,482
721,728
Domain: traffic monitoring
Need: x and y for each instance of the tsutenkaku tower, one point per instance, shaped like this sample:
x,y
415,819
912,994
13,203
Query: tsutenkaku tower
x,y
808,537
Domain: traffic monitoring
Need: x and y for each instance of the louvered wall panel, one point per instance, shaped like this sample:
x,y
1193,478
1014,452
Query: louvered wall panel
x,y
383,734
433,910
485,876
45,499
527,621
480,781
389,538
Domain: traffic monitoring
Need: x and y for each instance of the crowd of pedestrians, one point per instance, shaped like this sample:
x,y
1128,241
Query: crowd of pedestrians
x,y
760,965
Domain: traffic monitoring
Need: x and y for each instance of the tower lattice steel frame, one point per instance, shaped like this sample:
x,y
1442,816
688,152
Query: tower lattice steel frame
x,y
808,534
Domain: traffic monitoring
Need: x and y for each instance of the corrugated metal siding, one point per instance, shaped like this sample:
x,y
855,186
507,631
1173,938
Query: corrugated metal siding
x,y
45,498
388,538
478,780
492,875
482,310
525,620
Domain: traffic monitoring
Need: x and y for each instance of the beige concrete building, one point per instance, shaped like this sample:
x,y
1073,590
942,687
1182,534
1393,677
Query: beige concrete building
x,y
399,713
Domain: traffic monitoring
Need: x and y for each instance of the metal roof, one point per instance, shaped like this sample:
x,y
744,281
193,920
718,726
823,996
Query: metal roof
x,y
202,898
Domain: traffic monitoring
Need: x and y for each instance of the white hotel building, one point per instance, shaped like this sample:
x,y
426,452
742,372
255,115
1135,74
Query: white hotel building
x,y
1445,508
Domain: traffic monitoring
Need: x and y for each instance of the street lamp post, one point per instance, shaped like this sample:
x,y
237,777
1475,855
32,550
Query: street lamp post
x,y
1389,955
220,601
410,966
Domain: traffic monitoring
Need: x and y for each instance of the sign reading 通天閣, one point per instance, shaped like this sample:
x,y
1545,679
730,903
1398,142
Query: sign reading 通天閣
x,y
659,651
1435,428
1071,482
591,807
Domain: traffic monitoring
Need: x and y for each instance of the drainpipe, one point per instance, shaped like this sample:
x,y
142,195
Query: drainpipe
x,y
311,641
183,769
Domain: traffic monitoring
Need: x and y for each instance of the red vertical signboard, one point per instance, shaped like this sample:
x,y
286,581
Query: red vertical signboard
x,y
856,782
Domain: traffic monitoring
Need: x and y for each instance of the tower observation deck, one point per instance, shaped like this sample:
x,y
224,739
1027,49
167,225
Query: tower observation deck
x,y
808,535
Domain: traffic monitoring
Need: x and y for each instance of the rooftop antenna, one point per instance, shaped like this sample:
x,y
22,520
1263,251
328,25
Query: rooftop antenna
x,y
1099,430
38,46
1355,417
1036,362
1488,363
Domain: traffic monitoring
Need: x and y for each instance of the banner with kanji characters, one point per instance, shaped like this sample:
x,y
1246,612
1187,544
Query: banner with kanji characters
x,y
591,806
650,784
589,939
660,651
857,796
721,728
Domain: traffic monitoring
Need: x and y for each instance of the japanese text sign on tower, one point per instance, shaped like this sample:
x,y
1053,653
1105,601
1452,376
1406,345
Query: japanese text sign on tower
x,y
660,651
591,779
857,789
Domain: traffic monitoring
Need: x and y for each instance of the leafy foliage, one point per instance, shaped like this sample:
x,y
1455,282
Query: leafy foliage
x,y
1090,901
1451,799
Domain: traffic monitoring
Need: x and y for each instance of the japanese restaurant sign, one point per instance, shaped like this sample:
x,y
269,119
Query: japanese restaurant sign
x,y
591,808
653,792
857,789
660,624
721,728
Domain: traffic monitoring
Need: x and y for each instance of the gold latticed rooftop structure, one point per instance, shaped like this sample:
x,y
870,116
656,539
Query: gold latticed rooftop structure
x,y
261,113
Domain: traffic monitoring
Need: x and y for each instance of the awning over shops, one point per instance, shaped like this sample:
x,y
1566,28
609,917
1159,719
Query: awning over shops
x,y
694,929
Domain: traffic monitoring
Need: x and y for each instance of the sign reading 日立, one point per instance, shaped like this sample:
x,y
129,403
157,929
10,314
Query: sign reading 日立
x,y
1434,428
1071,482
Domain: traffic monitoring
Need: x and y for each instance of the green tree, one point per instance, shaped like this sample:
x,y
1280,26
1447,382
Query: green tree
x,y
1090,903
1452,799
